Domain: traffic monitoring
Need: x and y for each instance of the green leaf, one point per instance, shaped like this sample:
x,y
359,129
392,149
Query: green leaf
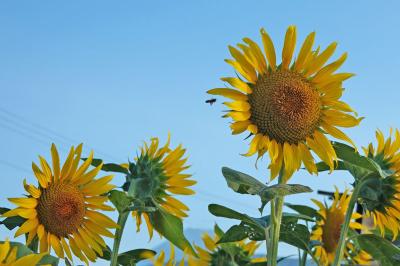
x,y
380,249
120,200
246,184
302,209
254,228
171,228
242,183
358,165
235,233
3,210
108,167
295,234
48,259
134,256
222,211
322,166
12,222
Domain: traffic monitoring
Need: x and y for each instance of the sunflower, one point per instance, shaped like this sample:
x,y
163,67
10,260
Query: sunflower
x,y
234,253
160,260
288,108
63,211
157,177
327,231
8,256
386,211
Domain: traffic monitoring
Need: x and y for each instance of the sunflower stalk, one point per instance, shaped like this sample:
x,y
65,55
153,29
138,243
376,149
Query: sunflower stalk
x,y
275,227
122,217
345,226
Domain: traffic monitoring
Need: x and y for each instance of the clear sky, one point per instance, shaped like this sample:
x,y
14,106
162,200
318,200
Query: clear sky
x,y
111,74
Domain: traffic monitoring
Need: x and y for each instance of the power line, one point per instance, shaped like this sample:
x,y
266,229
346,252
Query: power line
x,y
45,132
12,122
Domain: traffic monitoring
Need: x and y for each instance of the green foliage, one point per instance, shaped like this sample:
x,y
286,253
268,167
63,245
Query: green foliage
x,y
246,184
380,249
292,232
303,209
120,200
108,167
171,228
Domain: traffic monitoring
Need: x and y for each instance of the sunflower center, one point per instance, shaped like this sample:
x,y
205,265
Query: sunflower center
x,y
331,230
61,209
285,106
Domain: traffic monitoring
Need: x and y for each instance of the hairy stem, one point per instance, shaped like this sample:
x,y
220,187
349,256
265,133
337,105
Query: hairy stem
x,y
346,223
122,217
275,227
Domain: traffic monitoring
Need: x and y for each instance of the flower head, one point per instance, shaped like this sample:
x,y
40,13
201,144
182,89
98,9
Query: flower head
x,y
63,210
235,253
327,231
157,176
8,256
385,211
288,108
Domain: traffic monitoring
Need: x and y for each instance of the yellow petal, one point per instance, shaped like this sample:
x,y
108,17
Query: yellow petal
x,y
239,126
239,116
253,145
56,161
67,164
288,47
321,59
304,51
338,118
256,51
239,68
43,181
229,93
269,49
325,72
239,84
24,202
56,244
251,74
28,226
337,133
238,105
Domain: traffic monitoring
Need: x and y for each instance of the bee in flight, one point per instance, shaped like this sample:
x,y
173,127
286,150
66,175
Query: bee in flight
x,y
211,101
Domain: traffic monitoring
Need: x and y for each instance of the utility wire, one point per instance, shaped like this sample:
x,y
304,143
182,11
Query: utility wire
x,y
41,134
43,131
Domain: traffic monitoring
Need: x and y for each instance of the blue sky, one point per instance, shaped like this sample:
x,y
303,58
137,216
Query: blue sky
x,y
111,74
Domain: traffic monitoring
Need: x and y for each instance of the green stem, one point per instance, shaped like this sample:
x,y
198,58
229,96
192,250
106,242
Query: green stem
x,y
122,217
346,223
275,227
303,259
268,229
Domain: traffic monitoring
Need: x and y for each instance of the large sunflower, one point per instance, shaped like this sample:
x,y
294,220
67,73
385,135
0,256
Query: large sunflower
x,y
386,211
327,231
63,211
157,174
288,108
235,253
8,256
